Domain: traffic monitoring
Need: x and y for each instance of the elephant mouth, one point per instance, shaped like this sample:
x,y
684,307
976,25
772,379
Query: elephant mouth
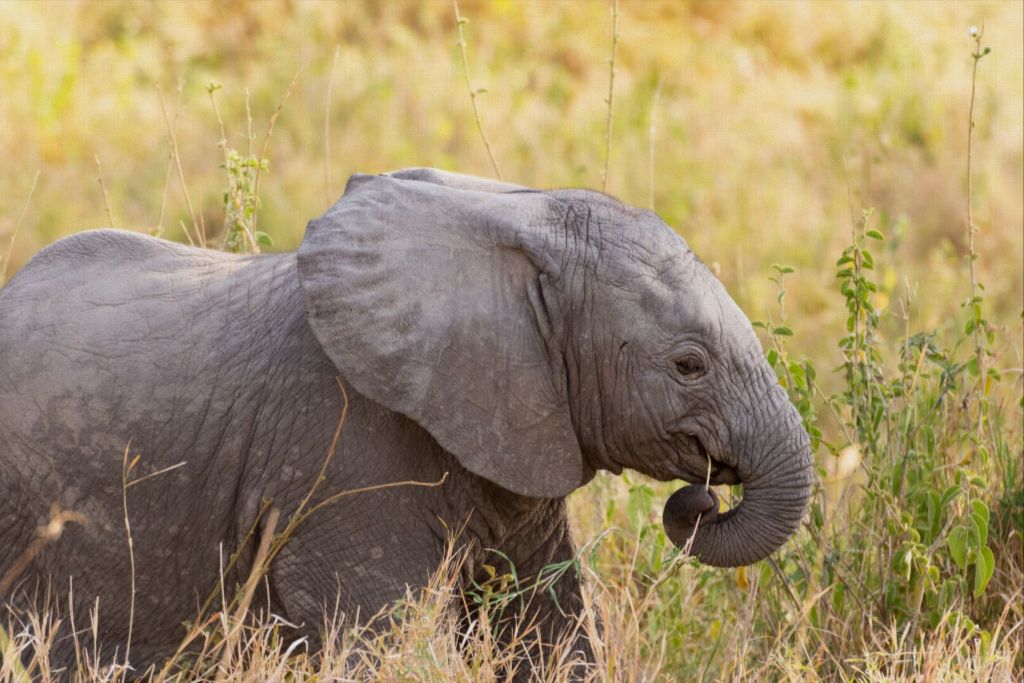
x,y
696,471
697,505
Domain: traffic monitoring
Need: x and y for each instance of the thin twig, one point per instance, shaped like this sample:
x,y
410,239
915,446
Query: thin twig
x,y
305,501
473,92
611,93
303,511
375,487
652,131
263,151
44,535
195,632
223,144
200,236
165,470
979,351
103,190
265,506
126,467
327,126
696,525
17,225
321,475
170,164
259,569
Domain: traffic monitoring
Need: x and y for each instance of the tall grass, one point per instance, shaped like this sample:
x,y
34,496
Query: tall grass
x,y
910,565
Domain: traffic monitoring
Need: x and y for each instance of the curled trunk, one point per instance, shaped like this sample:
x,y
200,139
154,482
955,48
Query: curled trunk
x,y
775,495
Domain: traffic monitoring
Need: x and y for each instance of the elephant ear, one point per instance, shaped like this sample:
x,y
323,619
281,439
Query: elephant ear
x,y
459,181
429,300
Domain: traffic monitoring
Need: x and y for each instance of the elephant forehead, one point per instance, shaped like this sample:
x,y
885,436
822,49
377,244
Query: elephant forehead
x,y
638,255
684,297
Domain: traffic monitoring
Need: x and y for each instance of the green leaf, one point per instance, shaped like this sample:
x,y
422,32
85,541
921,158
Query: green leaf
x,y
979,508
973,533
957,544
783,331
982,530
264,239
906,558
773,357
979,511
874,234
986,641
949,494
933,511
983,570
838,593
785,270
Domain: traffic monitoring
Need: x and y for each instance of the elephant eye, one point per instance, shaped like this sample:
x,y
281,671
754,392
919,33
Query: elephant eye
x,y
691,365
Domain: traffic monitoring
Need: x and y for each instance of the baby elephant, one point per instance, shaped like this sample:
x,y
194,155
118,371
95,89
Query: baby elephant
x,y
509,341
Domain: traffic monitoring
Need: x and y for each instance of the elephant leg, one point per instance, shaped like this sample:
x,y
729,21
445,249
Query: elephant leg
x,y
540,614
345,565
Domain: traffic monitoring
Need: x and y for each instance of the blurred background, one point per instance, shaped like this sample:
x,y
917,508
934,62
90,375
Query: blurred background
x,y
759,130
755,129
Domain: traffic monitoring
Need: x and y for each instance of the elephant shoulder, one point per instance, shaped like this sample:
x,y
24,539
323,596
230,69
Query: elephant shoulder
x,y
109,247
103,279
117,261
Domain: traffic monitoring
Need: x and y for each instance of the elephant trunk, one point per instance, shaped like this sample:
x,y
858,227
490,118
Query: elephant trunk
x,y
775,494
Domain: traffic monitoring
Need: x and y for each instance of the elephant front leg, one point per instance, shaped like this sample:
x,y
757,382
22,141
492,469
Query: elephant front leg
x,y
529,594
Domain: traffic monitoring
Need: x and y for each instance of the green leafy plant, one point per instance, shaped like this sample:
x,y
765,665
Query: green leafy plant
x,y
241,198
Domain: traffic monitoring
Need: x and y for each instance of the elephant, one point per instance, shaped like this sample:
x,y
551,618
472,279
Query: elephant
x,y
504,341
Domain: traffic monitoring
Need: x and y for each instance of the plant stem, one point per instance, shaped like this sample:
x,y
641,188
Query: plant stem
x,y
200,233
327,125
103,190
17,225
473,92
126,467
263,150
652,131
979,352
611,93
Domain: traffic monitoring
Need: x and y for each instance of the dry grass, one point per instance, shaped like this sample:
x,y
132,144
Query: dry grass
x,y
774,122
421,639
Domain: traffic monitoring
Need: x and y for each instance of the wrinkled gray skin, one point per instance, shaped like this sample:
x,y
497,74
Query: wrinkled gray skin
x,y
517,340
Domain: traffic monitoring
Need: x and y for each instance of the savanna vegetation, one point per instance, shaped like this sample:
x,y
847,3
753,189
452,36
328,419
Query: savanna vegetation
x,y
818,156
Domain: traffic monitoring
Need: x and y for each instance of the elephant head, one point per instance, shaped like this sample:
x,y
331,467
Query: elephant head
x,y
541,336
